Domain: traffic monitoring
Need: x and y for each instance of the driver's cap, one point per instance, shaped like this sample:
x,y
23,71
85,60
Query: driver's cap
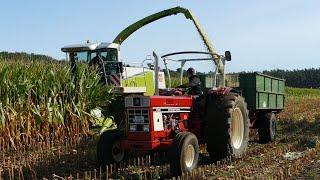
x,y
191,71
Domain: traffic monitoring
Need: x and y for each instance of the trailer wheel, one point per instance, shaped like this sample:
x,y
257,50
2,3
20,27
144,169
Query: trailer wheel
x,y
267,128
184,153
228,126
108,148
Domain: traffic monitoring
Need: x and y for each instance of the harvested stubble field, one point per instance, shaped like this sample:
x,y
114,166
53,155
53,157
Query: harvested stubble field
x,y
45,133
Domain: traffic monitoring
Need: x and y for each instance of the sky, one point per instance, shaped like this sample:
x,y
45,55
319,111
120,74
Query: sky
x,y
261,35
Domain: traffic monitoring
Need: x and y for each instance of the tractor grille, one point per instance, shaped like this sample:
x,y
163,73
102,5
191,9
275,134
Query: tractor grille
x,y
138,116
138,120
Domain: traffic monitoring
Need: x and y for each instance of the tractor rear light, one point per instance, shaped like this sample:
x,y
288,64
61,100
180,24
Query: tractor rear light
x,y
133,127
146,128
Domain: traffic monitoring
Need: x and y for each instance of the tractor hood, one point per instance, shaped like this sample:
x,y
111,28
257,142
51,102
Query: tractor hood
x,y
89,47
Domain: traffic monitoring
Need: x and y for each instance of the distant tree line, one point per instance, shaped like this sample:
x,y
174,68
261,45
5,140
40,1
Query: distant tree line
x,y
23,56
305,78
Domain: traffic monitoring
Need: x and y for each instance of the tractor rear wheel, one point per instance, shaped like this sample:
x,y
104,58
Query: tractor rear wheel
x,y
108,148
184,153
228,126
267,128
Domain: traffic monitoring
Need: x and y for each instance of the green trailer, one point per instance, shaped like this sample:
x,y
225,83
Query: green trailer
x,y
262,92
265,97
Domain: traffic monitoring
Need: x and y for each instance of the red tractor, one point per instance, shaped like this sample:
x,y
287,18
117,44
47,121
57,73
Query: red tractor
x,y
177,123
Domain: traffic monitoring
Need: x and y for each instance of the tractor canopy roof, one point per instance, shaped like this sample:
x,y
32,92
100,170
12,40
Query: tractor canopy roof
x,y
89,47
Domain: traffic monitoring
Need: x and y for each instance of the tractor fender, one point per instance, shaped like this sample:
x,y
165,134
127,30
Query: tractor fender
x,y
216,93
222,91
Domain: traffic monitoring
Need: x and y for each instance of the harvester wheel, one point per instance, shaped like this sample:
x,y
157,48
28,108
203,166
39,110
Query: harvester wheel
x,y
267,128
228,126
184,153
108,148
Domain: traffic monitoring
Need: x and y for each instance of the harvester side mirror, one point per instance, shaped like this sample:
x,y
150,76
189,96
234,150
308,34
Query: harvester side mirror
x,y
227,55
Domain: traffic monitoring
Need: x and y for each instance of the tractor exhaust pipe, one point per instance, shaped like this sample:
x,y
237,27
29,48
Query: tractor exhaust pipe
x,y
156,73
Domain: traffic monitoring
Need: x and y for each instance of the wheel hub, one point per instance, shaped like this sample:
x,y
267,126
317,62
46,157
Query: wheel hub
x,y
189,154
117,152
237,128
273,128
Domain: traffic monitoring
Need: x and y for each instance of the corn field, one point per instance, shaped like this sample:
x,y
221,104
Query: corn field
x,y
43,101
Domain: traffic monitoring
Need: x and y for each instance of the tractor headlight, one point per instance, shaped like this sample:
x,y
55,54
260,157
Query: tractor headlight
x,y
133,127
146,128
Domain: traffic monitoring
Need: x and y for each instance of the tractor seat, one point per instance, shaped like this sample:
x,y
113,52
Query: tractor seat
x,y
172,92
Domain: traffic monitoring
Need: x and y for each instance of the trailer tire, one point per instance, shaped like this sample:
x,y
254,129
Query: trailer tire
x,y
267,128
184,153
228,126
108,148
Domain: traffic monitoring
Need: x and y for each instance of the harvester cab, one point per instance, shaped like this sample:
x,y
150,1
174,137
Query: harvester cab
x,y
105,55
124,78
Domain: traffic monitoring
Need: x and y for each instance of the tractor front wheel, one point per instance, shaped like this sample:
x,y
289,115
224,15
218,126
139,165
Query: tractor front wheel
x,y
108,148
228,126
184,154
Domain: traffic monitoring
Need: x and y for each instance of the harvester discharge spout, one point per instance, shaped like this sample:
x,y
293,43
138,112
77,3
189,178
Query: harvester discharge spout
x,y
123,35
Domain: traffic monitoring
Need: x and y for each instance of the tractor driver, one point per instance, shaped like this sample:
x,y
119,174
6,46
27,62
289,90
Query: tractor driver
x,y
196,92
194,83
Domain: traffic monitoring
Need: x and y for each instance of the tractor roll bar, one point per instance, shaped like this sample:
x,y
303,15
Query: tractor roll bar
x,y
195,59
189,52
183,62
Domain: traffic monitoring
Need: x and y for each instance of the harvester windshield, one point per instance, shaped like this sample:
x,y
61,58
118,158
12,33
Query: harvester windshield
x,y
108,56
87,51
